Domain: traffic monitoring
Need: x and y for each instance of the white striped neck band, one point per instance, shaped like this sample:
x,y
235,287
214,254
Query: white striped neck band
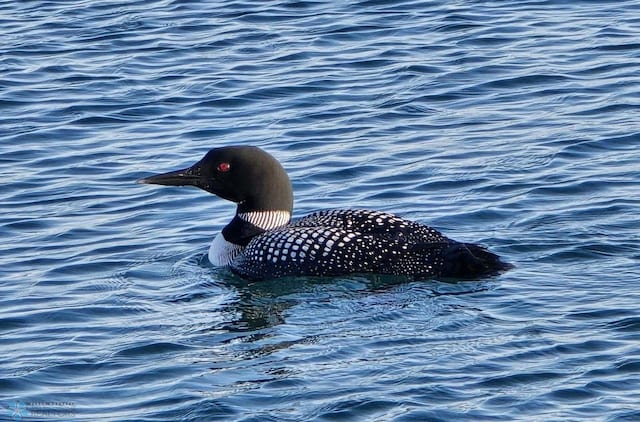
x,y
266,220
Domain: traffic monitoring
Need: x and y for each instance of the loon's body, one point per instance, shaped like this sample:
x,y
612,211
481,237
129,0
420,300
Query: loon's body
x,y
261,242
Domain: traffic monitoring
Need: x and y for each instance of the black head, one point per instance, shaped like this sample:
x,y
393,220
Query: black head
x,y
245,175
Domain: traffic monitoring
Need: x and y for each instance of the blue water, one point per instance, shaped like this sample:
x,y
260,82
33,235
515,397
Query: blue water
x,y
514,124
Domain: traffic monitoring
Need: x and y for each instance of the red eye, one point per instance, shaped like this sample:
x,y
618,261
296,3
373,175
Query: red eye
x,y
224,167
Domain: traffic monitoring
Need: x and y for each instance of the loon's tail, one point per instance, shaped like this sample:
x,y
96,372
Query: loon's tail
x,y
466,260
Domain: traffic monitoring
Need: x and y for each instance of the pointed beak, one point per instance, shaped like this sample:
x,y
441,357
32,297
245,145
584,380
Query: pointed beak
x,y
186,177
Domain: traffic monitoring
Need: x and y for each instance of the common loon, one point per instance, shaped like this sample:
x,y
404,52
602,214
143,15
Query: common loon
x,y
262,243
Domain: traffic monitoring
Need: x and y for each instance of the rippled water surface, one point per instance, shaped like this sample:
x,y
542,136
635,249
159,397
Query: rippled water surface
x,y
512,124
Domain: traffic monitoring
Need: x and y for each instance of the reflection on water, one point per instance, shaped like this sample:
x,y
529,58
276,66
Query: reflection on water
x,y
264,304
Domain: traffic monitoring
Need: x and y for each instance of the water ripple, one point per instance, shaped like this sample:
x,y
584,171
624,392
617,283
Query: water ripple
x,y
510,124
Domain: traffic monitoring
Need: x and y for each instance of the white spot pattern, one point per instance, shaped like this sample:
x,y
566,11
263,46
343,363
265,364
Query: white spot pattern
x,y
347,241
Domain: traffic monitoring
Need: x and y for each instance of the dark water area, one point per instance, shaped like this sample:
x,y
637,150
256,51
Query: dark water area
x,y
515,125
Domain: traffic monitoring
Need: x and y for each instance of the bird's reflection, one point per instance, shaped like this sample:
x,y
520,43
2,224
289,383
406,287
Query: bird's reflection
x,y
262,305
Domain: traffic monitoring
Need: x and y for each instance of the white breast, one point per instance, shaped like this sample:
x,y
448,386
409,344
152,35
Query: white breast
x,y
222,252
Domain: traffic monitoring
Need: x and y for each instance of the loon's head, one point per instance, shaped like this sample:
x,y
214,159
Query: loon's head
x,y
245,175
